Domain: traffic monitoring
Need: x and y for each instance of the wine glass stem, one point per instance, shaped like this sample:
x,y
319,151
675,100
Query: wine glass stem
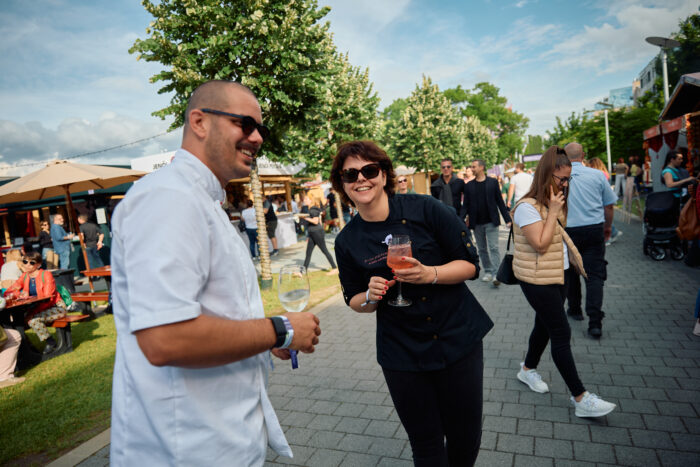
x,y
399,297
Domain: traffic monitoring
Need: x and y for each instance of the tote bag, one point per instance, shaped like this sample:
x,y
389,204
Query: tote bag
x,y
505,273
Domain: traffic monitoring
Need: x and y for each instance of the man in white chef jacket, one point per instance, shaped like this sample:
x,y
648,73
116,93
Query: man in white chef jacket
x,y
192,356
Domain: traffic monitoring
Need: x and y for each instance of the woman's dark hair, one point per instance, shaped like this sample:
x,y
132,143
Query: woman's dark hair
x,y
33,256
365,150
553,158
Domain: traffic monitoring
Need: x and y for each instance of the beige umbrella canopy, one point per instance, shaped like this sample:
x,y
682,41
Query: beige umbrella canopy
x,y
60,178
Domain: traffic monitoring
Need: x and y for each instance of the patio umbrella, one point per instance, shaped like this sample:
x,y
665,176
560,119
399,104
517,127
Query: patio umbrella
x,y
61,178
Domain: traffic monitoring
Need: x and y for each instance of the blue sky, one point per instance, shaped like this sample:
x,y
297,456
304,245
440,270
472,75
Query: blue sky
x,y
68,84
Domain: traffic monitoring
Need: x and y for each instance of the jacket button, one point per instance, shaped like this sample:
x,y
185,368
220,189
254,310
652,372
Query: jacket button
x,y
428,319
423,299
403,221
469,245
464,234
435,337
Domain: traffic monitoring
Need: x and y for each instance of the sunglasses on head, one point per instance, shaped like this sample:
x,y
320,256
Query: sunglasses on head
x,y
368,171
248,123
26,261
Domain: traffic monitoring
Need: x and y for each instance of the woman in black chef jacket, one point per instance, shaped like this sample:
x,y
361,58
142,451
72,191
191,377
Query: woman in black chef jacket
x,y
431,351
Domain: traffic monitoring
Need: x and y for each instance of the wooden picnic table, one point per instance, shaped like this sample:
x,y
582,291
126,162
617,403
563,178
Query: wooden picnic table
x,y
104,271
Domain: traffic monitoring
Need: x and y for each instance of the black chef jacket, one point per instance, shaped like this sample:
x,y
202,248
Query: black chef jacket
x,y
445,321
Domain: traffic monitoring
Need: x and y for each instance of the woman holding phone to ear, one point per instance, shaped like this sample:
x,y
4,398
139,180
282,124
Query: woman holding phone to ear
x,y
543,253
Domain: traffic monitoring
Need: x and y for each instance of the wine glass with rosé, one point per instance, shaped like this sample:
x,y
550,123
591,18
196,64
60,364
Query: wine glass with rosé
x,y
399,247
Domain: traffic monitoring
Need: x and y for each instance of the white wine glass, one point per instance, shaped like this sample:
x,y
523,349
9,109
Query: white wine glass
x,y
293,291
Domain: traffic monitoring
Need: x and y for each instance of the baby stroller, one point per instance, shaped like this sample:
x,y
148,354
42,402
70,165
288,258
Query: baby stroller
x,y
659,226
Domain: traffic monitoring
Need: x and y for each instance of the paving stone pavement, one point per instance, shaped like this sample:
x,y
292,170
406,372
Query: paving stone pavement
x,y
336,411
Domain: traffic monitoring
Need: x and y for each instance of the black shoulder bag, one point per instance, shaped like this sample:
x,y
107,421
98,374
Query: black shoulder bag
x,y
505,273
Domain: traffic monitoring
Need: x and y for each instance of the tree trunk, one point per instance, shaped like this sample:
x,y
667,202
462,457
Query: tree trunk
x,y
339,210
265,266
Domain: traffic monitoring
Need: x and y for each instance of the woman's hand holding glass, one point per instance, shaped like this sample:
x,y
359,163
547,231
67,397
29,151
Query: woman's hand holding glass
x,y
418,273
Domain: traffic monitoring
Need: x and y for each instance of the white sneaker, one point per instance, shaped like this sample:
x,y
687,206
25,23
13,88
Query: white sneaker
x,y
592,406
532,379
487,277
614,239
696,329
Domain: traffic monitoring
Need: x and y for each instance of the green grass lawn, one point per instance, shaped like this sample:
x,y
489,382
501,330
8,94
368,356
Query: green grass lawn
x,y
67,400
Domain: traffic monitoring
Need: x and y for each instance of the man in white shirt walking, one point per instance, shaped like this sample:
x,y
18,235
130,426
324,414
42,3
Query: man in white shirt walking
x,y
519,185
192,356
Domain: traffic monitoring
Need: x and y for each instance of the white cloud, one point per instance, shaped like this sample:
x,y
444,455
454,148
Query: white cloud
x,y
23,144
617,44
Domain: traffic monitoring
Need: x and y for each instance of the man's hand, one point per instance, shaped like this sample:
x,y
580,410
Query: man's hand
x,y
306,331
608,232
99,244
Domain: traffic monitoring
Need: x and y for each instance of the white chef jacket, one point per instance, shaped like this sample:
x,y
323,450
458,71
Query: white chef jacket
x,y
175,255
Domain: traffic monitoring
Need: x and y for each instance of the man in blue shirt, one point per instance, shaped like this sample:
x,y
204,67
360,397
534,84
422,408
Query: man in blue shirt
x,y
589,223
61,241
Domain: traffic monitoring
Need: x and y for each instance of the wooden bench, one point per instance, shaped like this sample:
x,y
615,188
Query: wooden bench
x,y
64,340
89,297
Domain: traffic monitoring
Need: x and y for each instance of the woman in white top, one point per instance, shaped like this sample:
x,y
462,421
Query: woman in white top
x,y
538,219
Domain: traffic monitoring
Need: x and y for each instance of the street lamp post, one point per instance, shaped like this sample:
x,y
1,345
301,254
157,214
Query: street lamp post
x,y
606,106
607,140
664,43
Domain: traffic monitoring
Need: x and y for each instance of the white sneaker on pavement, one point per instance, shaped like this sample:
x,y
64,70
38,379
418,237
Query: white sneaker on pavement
x,y
532,379
614,238
592,406
487,277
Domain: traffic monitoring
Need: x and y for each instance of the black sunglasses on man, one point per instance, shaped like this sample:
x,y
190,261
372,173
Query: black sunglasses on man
x,y
248,123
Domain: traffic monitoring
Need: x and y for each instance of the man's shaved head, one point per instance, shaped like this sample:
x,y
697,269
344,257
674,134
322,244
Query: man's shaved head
x,y
210,94
574,151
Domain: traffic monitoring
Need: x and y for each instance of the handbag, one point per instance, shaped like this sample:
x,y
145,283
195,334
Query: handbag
x,y
505,273
688,223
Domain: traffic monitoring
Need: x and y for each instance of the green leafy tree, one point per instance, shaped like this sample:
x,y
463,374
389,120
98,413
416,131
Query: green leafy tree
x,y
485,102
394,110
536,144
347,112
681,60
278,48
428,131
625,126
481,144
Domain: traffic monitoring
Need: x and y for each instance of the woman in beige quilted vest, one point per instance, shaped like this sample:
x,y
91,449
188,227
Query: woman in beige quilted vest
x,y
543,252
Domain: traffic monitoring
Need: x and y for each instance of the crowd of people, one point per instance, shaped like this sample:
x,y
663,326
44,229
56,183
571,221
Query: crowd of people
x,y
176,347
192,323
